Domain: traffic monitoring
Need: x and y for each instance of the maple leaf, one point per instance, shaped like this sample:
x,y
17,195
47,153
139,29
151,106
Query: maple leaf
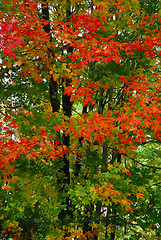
x,y
139,195
128,174
122,150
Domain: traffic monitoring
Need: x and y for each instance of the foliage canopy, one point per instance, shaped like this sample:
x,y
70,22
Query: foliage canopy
x,y
80,154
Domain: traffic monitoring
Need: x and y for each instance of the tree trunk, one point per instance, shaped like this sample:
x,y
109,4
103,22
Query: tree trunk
x,y
64,178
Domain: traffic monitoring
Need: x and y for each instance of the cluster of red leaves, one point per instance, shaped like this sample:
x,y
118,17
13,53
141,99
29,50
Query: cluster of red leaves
x,y
83,94
39,148
134,118
25,28
20,27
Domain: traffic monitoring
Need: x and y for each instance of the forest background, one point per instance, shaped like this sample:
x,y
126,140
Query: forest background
x,y
80,154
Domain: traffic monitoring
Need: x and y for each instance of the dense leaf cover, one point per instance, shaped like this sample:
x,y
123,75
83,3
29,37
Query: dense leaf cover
x,y
80,154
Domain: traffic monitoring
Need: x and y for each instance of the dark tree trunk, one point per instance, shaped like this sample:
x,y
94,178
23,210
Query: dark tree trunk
x,y
53,87
66,214
63,174
112,236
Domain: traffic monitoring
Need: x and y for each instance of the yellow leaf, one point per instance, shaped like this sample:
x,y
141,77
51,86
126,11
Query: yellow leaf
x,y
33,128
21,209
27,123
109,166
49,237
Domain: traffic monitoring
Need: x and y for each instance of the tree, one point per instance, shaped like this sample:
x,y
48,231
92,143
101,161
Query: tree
x,y
80,94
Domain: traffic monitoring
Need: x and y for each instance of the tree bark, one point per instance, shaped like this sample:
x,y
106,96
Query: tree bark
x,y
64,178
67,212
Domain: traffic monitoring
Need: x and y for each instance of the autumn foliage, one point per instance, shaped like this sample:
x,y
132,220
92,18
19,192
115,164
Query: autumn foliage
x,y
80,119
